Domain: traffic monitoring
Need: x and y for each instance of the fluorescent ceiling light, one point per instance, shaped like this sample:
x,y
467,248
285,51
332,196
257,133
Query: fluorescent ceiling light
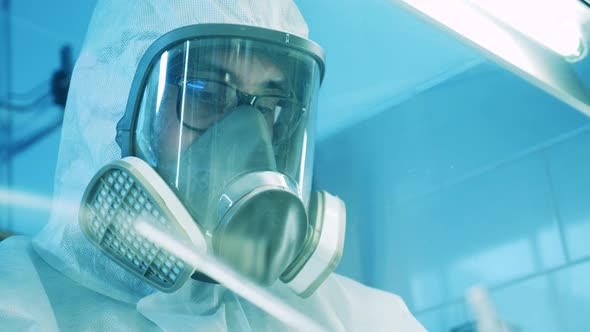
x,y
551,23
535,39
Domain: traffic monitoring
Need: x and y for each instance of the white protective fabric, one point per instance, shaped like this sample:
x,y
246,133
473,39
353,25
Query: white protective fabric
x,y
59,281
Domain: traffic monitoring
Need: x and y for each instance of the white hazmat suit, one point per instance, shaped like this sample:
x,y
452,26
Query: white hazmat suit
x,y
59,281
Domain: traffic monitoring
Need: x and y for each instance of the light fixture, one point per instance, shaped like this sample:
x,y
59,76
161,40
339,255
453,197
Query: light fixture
x,y
538,40
551,23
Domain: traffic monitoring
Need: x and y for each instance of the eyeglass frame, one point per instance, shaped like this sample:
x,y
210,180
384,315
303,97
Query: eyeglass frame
x,y
241,98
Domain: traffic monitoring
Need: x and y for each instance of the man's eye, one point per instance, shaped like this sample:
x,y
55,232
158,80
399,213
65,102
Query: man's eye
x,y
219,75
207,91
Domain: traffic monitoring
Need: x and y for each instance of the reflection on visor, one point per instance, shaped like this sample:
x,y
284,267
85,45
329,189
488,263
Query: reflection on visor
x,y
201,102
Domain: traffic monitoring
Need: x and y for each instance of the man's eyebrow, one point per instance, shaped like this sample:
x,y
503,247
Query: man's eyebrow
x,y
216,68
275,85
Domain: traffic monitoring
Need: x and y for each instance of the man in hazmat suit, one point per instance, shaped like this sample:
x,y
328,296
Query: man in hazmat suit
x,y
218,99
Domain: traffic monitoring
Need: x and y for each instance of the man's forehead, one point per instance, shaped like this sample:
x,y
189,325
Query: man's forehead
x,y
247,68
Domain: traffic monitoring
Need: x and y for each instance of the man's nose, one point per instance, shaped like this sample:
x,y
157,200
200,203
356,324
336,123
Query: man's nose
x,y
245,98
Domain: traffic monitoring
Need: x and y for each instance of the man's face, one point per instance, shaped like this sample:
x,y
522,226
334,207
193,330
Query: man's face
x,y
199,95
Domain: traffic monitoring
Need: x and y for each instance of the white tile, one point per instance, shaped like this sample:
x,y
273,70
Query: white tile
x,y
571,301
443,319
569,164
558,301
488,230
552,302
529,305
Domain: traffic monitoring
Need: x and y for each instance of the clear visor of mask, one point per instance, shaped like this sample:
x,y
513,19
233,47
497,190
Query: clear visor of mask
x,y
227,120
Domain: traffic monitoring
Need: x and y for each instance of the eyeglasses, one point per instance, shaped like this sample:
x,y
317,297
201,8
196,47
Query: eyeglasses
x,y
205,101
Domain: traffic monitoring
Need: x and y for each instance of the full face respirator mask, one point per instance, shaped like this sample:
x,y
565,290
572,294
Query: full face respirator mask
x,y
217,143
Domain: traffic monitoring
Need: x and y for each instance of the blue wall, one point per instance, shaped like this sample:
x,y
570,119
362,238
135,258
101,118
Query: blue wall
x,y
39,29
480,180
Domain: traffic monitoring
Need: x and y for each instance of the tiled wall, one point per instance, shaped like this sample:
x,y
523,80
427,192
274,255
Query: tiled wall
x,y
481,180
